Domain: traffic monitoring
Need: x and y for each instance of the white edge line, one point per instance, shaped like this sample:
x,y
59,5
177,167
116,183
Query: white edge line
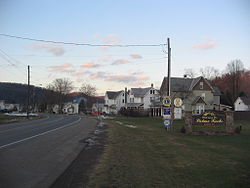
x,y
46,132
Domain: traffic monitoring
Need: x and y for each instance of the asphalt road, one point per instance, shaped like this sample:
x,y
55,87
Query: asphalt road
x,y
34,153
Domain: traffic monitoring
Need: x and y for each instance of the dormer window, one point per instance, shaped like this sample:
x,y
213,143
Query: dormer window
x,y
201,85
152,91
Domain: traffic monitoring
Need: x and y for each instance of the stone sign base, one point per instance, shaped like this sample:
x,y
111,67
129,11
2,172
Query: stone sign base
x,y
225,128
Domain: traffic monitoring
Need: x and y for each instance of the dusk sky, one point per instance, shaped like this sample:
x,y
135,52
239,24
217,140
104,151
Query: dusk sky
x,y
202,33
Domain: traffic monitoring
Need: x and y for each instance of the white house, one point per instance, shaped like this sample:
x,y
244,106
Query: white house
x,y
71,108
242,104
143,98
114,101
10,107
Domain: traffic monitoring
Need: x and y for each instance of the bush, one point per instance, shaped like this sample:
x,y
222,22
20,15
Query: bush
x,y
134,112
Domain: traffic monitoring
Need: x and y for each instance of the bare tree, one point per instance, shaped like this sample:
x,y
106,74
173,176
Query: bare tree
x,y
209,72
89,93
61,87
88,89
235,69
189,73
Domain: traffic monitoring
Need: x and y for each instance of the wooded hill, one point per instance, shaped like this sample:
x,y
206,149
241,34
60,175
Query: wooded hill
x,y
17,93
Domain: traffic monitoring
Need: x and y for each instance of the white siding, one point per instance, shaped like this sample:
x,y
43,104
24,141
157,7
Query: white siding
x,y
240,106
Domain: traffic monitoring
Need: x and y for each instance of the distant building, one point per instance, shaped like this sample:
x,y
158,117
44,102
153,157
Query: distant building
x,y
71,108
114,101
98,108
242,104
8,106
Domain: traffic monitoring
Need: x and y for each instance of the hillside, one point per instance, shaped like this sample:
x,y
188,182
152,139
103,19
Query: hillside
x,y
17,93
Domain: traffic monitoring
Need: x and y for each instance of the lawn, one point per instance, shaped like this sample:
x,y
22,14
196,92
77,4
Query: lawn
x,y
148,156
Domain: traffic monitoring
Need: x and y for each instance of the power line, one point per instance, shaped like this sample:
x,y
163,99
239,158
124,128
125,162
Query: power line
x,y
82,44
10,60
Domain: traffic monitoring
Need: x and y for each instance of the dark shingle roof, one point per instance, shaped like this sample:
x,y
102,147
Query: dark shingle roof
x,y
181,84
113,94
187,84
246,100
140,92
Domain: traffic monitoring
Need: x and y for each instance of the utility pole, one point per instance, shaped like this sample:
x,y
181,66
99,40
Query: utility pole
x,y
169,68
167,102
28,98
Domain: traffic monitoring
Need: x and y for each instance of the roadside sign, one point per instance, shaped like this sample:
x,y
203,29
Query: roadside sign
x,y
167,101
178,102
167,123
177,113
166,111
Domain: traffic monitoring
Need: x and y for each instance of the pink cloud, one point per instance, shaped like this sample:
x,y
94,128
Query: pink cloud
x,y
110,39
120,61
143,78
136,56
64,68
53,49
209,44
106,58
122,78
89,65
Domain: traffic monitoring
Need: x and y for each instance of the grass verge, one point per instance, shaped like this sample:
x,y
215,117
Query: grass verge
x,y
148,156
7,119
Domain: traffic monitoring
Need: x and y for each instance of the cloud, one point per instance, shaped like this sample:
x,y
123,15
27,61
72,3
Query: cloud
x,y
120,78
64,68
110,39
53,49
209,44
120,61
89,65
136,56
106,58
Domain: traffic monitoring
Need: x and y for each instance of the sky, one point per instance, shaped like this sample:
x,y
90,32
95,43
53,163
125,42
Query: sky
x,y
202,33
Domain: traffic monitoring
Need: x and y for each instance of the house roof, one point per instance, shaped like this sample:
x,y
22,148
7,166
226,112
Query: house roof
x,y
187,84
140,92
246,100
198,99
113,94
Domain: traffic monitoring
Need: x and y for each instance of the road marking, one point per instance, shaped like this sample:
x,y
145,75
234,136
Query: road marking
x,y
31,124
46,132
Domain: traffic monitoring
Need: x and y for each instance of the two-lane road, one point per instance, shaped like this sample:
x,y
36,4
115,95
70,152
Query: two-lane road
x,y
34,153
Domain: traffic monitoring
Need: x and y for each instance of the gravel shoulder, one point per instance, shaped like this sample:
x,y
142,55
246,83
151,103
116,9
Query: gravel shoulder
x,y
77,174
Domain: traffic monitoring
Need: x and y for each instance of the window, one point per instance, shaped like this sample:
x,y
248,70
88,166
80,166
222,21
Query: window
x,y
153,91
199,109
201,85
123,101
203,96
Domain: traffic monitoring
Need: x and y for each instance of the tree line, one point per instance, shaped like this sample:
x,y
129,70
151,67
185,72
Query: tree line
x,y
58,92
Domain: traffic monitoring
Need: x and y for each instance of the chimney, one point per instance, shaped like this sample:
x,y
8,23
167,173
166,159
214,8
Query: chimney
x,y
152,85
185,76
